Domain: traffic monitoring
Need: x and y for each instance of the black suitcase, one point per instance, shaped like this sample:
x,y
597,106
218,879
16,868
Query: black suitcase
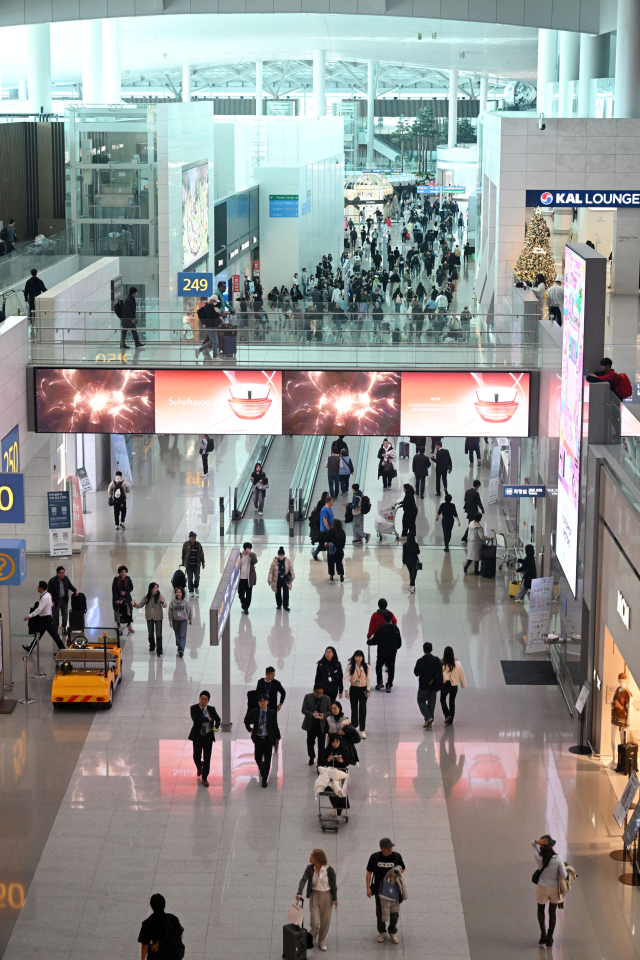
x,y
403,450
488,562
76,620
79,602
627,758
229,345
294,942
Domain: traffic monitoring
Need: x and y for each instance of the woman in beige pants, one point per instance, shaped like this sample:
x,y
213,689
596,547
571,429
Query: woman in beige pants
x,y
322,894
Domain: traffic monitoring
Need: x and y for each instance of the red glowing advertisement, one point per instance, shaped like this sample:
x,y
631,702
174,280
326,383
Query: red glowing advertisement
x,y
354,403
94,401
76,507
465,404
218,401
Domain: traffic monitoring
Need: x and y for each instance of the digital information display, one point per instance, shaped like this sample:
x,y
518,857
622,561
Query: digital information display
x,y
94,401
571,403
283,204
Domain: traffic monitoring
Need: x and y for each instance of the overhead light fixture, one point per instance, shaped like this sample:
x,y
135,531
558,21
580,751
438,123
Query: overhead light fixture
x,y
434,36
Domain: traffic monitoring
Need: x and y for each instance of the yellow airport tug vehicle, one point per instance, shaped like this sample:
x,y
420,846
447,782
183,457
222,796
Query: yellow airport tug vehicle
x,y
87,671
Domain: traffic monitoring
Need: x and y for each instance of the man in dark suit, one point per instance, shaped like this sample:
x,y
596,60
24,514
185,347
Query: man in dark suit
x,y
59,587
273,689
472,505
316,707
262,724
444,466
388,641
421,464
205,722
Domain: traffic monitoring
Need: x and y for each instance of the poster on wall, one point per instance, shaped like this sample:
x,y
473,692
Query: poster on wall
x,y
355,403
465,404
218,401
94,401
571,402
195,212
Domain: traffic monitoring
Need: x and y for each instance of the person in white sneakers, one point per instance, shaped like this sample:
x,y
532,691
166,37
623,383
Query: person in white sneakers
x,y
358,690
452,678
377,868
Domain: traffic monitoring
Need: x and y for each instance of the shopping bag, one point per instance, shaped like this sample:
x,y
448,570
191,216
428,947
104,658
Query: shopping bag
x,y
296,914
389,890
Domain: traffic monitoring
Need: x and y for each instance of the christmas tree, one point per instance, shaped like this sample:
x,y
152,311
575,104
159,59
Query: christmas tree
x,y
536,254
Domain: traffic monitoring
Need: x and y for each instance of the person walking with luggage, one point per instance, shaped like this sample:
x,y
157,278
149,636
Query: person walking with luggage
x,y
154,604
248,577
336,540
476,539
206,447
420,467
428,670
260,486
377,618
322,894
128,320
332,465
262,724
60,587
180,613
471,446
378,866
205,722
527,567
117,492
387,465
280,578
121,590
410,554
326,522
358,516
472,505
316,707
452,678
550,870
444,466
448,512
388,641
358,690
161,932
192,561
42,611
409,510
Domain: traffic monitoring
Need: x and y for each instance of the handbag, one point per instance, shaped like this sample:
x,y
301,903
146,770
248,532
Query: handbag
x,y
388,467
348,514
418,564
389,890
295,913
111,501
536,876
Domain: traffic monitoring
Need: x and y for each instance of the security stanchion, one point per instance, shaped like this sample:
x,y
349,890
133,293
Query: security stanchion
x,y
27,698
222,517
292,532
38,674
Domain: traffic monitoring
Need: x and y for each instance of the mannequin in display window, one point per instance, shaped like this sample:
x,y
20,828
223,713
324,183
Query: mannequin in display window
x,y
621,712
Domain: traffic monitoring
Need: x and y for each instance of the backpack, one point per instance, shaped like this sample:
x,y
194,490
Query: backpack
x,y
623,388
331,547
3,234
179,580
365,504
118,309
210,444
118,492
170,947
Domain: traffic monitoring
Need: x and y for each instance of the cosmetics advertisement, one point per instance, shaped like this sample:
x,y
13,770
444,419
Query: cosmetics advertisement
x,y
94,401
218,401
465,404
355,403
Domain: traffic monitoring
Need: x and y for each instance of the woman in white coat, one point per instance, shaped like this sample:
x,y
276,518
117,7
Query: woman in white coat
x,y
452,678
280,578
475,540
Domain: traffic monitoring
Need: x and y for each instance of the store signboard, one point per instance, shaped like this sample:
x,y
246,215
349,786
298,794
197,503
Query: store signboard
x,y
235,282
256,268
571,403
195,285
283,204
629,792
632,827
539,614
583,198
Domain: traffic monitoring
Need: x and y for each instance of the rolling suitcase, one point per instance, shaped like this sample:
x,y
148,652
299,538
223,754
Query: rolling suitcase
x,y
294,942
488,562
229,345
627,758
403,450
76,620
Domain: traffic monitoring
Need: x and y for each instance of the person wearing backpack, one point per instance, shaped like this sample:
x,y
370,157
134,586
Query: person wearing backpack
x,y
118,490
161,934
357,504
618,382
206,447
345,470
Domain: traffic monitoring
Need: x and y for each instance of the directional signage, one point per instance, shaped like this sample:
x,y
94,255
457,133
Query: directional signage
x,y
12,498
528,491
195,285
283,204
583,198
13,562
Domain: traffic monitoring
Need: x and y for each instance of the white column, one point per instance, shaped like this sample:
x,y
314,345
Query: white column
x,y
91,41
186,84
569,66
111,74
484,91
627,102
39,67
22,90
371,96
259,88
318,83
547,67
625,253
453,108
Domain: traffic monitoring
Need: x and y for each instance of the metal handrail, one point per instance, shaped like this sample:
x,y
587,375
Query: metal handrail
x,y
361,468
244,487
312,453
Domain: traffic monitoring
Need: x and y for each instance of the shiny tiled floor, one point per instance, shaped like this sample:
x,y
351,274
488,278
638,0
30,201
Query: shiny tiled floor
x,y
99,811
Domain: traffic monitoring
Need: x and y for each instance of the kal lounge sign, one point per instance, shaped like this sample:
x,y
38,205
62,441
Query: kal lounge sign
x,y
583,198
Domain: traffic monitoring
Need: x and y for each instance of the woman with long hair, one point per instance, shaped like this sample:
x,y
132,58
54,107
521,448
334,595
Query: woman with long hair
x,y
410,554
358,690
550,868
409,510
452,678
260,486
322,894
329,674
154,604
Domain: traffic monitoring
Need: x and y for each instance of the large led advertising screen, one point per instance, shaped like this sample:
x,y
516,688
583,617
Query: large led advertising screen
x,y
571,400
465,404
195,213
94,401
218,401
352,403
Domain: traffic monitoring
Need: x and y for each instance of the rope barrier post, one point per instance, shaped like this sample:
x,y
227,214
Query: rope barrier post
x,y
291,515
26,699
38,674
222,517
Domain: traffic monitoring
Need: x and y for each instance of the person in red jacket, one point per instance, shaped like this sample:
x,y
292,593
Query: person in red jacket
x,y
607,373
377,619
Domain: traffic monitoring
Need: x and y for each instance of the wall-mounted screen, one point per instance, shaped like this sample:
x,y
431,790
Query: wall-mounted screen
x,y
329,401
571,403
195,213
94,401
218,401
465,404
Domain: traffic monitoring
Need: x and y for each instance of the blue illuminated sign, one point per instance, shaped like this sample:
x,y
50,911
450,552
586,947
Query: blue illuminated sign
x,y
13,562
11,452
195,285
583,198
12,498
523,491
283,204
59,509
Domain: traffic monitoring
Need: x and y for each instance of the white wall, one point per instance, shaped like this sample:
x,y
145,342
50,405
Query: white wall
x,y
81,304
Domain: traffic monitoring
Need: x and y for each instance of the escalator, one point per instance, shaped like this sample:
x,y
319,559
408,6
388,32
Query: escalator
x,y
279,466
322,483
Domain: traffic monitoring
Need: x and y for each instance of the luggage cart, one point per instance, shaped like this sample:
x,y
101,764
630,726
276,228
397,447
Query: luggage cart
x,y
326,810
385,524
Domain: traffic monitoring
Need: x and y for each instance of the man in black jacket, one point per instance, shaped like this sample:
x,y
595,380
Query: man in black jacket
x,y
428,669
203,733
388,641
316,707
32,289
262,724
472,505
421,464
128,319
272,688
442,460
471,446
59,587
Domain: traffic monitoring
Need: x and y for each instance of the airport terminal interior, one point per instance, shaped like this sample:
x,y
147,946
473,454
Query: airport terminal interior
x,y
319,479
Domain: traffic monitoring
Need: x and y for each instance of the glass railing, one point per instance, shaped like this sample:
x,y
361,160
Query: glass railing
x,y
16,266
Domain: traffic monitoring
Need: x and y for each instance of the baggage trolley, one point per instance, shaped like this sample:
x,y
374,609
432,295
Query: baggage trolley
x,y
385,524
326,810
